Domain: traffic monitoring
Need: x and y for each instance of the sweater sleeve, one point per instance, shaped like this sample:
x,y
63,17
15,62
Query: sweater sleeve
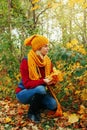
x,y
27,82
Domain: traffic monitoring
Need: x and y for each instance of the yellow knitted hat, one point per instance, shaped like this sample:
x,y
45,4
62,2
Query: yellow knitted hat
x,y
36,41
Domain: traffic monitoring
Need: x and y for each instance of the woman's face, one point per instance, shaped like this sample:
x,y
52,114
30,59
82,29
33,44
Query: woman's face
x,y
44,50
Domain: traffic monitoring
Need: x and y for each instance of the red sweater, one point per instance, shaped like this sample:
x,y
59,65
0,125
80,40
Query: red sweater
x,y
27,82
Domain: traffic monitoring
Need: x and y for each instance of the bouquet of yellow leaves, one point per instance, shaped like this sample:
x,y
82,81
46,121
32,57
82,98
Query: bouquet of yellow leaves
x,y
56,76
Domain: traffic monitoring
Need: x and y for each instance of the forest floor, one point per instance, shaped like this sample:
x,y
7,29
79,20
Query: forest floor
x,y
13,116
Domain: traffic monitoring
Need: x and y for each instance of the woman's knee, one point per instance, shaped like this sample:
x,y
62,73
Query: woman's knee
x,y
41,89
50,102
54,105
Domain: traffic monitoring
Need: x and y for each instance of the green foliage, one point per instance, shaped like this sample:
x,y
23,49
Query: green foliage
x,y
73,65
11,51
48,124
78,72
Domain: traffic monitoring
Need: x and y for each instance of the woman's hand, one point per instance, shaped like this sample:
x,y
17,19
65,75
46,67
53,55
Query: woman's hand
x,y
48,81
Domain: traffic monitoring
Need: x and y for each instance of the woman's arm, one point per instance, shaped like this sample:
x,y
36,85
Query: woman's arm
x,y
27,82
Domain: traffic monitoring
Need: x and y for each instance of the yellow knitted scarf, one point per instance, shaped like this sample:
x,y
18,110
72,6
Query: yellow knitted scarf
x,y
34,63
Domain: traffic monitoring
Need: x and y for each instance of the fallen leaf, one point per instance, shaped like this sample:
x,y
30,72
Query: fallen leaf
x,y
65,114
72,118
7,120
82,109
84,94
20,111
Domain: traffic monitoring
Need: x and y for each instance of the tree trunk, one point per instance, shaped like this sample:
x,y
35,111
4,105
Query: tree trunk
x,y
70,26
9,25
85,27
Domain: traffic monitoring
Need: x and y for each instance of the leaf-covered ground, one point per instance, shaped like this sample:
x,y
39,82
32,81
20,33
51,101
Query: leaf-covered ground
x,y
13,116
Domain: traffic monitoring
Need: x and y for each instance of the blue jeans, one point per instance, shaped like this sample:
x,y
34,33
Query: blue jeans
x,y
25,96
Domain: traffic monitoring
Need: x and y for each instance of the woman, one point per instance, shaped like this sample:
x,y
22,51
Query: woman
x,y
34,71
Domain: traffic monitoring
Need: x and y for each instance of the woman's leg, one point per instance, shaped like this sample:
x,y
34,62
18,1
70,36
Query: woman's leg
x,y
49,102
25,95
33,97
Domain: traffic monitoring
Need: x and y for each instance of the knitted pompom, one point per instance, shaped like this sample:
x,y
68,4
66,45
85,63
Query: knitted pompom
x,y
28,41
36,41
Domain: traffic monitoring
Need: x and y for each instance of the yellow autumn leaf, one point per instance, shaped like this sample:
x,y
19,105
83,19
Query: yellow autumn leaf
x,y
82,109
66,91
68,45
66,114
18,76
84,94
77,1
74,42
81,1
71,3
59,73
72,118
75,46
35,7
77,92
7,120
55,5
49,4
35,1
56,75
84,6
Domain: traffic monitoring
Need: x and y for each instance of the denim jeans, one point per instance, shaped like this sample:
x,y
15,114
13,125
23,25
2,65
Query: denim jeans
x,y
25,96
